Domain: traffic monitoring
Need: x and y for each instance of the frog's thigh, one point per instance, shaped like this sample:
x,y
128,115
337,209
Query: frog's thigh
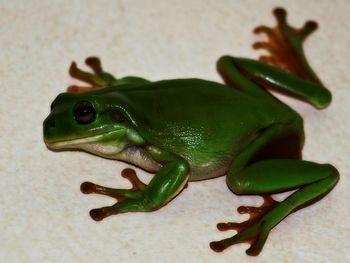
x,y
278,171
273,176
265,167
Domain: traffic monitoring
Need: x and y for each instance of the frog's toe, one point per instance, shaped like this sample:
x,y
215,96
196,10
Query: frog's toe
x,y
307,29
77,73
137,184
255,212
259,241
262,45
264,29
78,89
95,64
217,246
281,15
97,214
87,188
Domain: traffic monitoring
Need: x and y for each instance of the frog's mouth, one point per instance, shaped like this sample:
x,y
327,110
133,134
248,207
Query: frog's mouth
x,y
104,142
71,143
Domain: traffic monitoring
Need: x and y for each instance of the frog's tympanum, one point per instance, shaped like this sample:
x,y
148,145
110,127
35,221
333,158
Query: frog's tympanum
x,y
193,129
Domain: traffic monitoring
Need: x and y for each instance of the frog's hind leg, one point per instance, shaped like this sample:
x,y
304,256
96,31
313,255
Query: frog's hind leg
x,y
97,79
270,174
312,180
285,45
285,70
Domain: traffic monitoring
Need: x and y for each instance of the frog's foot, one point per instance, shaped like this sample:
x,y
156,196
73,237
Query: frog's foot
x,y
97,79
285,45
123,196
253,231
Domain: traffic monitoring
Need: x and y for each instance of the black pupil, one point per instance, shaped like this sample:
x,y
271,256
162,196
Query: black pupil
x,y
84,112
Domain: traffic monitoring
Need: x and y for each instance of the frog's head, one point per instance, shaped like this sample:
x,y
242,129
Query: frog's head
x,y
87,122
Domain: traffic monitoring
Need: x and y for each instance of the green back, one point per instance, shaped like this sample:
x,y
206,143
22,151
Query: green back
x,y
197,119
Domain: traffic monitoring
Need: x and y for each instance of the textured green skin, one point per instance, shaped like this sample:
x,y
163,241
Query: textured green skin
x,y
198,129
193,122
171,115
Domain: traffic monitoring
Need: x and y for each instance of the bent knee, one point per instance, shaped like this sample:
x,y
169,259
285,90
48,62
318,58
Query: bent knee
x,y
334,175
237,184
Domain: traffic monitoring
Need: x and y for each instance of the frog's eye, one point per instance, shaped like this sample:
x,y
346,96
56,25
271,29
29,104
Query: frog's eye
x,y
84,112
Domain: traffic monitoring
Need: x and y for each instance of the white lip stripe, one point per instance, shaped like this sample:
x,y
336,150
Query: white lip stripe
x,y
57,145
62,144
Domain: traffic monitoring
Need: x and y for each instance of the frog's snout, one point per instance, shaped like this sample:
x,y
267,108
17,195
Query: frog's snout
x,y
49,123
48,126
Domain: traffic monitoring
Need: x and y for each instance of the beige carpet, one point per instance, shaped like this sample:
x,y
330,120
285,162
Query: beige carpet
x,y
44,217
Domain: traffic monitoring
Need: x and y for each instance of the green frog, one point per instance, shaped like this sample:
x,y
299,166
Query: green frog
x,y
185,130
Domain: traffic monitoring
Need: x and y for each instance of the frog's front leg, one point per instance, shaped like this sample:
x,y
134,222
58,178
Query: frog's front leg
x,y
165,185
265,176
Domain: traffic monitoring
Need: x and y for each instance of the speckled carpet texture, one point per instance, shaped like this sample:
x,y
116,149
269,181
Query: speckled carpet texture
x,y
45,218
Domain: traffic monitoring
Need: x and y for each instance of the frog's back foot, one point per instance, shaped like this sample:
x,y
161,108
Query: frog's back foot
x,y
97,79
256,238
284,45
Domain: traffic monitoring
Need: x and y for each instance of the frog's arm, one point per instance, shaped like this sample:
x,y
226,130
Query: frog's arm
x,y
99,78
166,184
294,75
312,180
